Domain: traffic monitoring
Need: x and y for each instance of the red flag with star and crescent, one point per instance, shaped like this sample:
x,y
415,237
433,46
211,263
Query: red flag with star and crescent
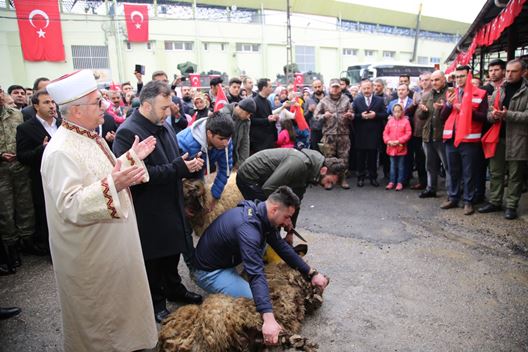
x,y
195,80
136,17
221,99
39,25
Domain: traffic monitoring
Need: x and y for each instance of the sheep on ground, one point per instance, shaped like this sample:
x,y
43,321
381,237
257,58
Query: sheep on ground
x,y
197,196
224,323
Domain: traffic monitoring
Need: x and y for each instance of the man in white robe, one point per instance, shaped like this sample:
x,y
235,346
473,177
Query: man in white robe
x,y
94,241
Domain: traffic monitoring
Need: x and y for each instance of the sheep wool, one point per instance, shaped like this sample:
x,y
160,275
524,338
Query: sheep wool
x,y
224,323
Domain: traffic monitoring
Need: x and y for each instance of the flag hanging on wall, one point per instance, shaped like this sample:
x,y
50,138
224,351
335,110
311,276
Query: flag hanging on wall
x,y
136,17
39,25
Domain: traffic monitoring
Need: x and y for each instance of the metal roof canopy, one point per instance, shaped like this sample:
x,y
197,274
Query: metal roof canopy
x,y
337,9
513,37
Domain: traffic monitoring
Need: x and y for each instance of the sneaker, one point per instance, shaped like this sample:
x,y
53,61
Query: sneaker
x,y
399,187
344,184
390,186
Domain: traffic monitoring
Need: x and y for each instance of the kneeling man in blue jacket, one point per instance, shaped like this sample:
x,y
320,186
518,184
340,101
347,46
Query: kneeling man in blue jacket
x,y
239,236
211,136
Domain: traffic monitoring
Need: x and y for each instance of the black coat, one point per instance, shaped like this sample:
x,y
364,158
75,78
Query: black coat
x,y
109,125
158,203
29,138
368,132
262,133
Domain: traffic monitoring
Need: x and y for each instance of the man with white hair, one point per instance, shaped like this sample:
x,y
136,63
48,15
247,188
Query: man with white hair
x,y
94,242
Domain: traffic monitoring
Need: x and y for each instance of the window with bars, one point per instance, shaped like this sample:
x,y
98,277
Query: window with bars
x,y
434,60
210,46
178,45
389,54
350,52
422,60
90,56
305,58
247,47
370,53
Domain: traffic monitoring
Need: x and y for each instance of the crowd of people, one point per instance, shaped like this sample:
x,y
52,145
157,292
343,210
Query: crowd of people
x,y
94,178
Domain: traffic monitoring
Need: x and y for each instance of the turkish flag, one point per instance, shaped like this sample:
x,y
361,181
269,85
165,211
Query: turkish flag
x,y
136,17
40,30
463,125
299,80
299,116
195,79
221,99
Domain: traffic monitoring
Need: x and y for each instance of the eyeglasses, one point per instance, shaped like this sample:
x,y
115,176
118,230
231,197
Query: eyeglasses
x,y
101,103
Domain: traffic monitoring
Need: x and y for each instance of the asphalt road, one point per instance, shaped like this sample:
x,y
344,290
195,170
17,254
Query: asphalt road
x,y
405,276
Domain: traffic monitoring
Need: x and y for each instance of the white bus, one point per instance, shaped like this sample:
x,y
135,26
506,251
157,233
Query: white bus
x,y
388,71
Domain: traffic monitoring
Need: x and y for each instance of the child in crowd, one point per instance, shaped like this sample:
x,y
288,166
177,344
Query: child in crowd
x,y
396,135
286,137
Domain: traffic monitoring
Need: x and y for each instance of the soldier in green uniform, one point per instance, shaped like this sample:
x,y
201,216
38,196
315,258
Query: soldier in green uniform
x,y
16,206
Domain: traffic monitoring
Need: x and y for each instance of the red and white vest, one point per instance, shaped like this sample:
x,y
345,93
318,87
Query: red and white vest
x,y
475,132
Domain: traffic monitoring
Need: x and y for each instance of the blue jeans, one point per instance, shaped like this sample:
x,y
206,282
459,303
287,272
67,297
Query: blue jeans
x,y
226,281
397,169
464,166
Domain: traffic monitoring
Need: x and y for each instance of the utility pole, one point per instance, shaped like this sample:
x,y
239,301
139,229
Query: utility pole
x,y
417,33
289,55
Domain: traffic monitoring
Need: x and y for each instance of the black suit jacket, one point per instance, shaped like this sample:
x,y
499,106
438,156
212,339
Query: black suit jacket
x,y
368,132
109,125
29,138
158,203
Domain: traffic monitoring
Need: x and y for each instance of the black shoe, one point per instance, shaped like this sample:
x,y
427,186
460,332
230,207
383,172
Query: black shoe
x,y
28,246
510,214
6,313
186,297
360,182
161,315
374,182
427,194
489,208
7,270
13,256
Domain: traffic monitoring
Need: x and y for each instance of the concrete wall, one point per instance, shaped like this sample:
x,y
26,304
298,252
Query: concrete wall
x,y
267,62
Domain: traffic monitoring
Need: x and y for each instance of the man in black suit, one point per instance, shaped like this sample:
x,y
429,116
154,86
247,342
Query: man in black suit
x,y
107,129
32,137
369,114
160,201
39,84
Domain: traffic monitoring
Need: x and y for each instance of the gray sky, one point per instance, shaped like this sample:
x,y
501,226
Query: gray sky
x,y
457,10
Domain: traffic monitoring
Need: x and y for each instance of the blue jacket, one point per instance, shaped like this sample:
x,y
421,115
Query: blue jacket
x,y
193,139
239,236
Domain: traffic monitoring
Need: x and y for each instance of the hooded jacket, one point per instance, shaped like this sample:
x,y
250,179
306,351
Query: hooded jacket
x,y
193,139
240,134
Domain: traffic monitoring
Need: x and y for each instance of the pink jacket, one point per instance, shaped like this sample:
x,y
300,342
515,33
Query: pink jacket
x,y
397,130
283,140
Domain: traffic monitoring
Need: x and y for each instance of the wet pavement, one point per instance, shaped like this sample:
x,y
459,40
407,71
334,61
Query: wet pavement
x,y
405,276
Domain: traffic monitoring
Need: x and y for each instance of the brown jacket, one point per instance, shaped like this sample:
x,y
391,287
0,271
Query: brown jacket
x,y
433,127
516,122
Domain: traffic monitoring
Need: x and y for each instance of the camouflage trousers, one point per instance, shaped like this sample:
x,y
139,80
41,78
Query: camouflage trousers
x,y
336,146
17,219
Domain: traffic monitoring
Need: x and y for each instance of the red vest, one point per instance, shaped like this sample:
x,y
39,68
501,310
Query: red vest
x,y
475,132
